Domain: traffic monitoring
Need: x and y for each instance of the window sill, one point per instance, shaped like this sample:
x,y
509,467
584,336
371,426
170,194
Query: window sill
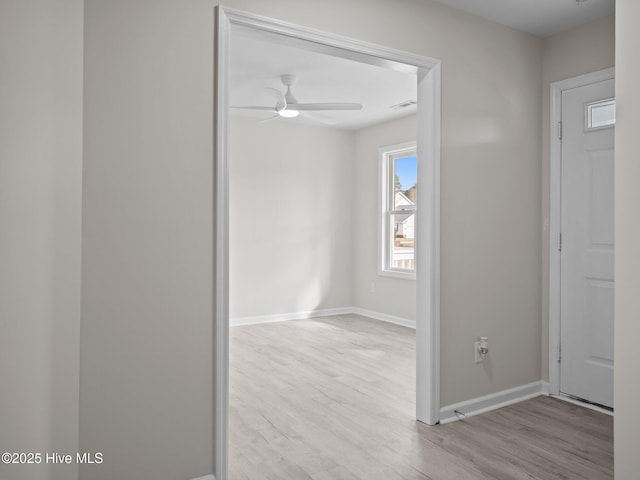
x,y
397,274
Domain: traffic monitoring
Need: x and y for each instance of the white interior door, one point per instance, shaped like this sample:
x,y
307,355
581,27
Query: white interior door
x,y
587,242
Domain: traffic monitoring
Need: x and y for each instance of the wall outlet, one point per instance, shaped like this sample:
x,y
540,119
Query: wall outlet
x,y
480,349
372,287
476,352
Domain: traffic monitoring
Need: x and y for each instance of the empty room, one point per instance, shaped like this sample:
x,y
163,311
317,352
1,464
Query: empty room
x,y
305,201
318,240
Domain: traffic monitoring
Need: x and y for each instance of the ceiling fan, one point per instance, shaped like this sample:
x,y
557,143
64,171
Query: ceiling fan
x,y
288,106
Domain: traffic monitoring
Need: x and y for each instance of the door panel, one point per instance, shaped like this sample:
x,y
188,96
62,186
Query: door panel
x,y
600,191
587,225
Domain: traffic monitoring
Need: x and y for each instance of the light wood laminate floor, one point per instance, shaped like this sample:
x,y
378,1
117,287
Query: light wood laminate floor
x,y
333,398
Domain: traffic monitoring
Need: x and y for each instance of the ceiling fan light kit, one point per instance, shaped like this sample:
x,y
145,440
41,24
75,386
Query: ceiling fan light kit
x,y
288,113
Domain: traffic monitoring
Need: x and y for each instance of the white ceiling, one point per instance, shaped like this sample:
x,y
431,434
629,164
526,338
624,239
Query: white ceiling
x,y
258,59
539,17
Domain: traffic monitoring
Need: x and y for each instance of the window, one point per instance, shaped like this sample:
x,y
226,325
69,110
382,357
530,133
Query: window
x,y
601,114
399,195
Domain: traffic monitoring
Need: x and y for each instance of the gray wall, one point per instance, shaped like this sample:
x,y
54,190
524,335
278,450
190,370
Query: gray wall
x,y
147,269
291,216
392,296
627,301
40,200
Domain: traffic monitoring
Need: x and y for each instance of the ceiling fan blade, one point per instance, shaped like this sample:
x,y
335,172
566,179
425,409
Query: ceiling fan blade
x,y
269,119
270,109
275,92
302,107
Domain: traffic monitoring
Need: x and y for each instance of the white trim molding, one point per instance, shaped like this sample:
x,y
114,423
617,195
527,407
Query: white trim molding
x,y
476,406
206,477
555,183
286,317
428,75
427,246
384,317
220,198
328,312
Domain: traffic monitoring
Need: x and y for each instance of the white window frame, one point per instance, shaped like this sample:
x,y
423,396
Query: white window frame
x,y
386,211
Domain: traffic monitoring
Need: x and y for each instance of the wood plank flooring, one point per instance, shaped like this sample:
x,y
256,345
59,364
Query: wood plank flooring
x,y
334,399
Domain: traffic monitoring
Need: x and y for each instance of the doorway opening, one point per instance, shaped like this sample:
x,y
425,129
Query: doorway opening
x,y
427,73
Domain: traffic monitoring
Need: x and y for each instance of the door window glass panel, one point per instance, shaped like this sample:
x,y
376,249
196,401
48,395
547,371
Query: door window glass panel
x,y
601,114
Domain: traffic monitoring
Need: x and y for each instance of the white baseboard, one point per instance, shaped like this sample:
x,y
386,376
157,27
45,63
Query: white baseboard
x,y
384,317
479,405
327,312
282,317
206,477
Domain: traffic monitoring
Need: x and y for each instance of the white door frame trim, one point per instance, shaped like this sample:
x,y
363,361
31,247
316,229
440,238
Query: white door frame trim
x,y
555,183
428,75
